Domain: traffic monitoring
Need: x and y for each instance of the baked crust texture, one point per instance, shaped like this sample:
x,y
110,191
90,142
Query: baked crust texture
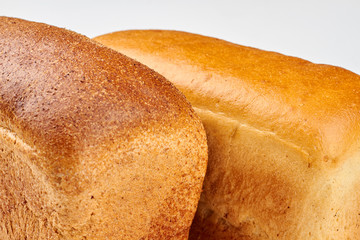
x,y
94,145
283,135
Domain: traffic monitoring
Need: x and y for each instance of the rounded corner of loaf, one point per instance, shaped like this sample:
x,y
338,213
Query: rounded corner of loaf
x,y
110,148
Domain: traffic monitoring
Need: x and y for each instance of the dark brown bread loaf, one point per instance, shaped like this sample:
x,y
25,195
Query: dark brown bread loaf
x,y
93,145
283,136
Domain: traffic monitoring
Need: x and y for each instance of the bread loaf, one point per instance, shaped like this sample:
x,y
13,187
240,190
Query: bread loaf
x,y
93,145
283,136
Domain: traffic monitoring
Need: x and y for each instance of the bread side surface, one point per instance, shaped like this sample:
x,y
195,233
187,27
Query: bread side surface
x,y
283,135
27,202
251,191
109,148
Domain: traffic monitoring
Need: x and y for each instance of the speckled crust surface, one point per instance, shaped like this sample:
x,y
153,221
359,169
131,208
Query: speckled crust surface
x,y
283,136
94,145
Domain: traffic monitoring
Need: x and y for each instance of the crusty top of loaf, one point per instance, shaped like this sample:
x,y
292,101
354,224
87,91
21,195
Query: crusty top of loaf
x,y
312,107
63,94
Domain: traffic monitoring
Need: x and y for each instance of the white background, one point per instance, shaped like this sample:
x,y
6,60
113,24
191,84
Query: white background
x,y
322,31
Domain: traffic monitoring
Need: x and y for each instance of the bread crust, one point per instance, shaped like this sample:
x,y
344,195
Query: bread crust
x,y
110,149
279,129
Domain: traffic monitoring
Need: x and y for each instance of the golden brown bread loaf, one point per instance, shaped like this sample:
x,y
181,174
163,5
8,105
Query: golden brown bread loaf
x,y
94,145
283,136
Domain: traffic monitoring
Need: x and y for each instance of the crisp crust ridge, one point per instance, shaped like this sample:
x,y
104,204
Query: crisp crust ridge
x,y
301,101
